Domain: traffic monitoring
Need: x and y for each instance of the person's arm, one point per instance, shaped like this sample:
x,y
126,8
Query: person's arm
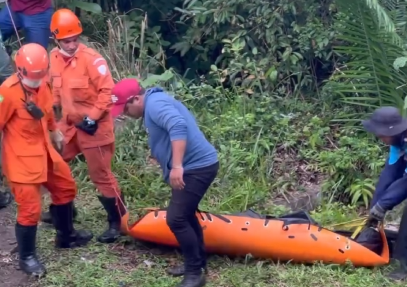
x,y
100,75
165,115
51,122
395,194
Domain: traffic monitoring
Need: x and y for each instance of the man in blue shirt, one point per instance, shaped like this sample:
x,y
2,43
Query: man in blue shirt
x,y
188,161
390,127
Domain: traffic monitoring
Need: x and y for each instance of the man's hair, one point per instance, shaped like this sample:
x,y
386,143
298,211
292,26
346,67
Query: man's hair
x,y
141,93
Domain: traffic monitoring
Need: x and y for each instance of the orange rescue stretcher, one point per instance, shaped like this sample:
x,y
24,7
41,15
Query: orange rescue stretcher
x,y
294,237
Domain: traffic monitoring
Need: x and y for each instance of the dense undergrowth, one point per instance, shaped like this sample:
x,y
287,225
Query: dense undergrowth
x,y
272,149
268,150
263,101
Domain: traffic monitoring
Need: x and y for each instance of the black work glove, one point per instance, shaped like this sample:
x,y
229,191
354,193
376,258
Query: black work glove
x,y
89,126
376,215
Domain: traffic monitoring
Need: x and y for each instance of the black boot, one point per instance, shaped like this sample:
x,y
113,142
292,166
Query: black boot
x,y
193,280
5,199
179,270
47,218
114,209
28,262
400,251
67,236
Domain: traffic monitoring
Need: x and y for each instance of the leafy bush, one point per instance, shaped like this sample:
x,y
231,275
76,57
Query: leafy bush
x,y
267,149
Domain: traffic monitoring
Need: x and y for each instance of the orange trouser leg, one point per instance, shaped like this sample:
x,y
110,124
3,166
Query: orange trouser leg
x,y
99,162
28,199
60,183
71,150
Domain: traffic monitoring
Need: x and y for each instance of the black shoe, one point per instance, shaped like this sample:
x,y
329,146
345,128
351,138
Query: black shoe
x,y
400,251
179,270
28,262
400,274
114,209
67,236
5,199
46,216
192,280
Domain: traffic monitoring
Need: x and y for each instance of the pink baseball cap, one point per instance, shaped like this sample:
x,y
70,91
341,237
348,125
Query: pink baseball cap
x,y
122,92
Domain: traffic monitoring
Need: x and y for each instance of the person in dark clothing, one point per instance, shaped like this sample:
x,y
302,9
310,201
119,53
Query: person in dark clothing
x,y
189,163
33,16
6,70
391,189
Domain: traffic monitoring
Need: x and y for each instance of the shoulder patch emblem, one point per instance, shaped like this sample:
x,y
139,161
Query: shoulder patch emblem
x,y
102,69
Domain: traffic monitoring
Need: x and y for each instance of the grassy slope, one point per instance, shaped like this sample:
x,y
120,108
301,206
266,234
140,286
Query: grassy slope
x,y
266,151
128,264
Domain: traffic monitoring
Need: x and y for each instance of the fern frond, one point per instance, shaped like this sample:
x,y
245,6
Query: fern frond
x,y
368,79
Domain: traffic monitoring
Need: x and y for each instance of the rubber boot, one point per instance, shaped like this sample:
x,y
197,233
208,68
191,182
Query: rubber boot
x,y
114,212
28,262
5,199
400,251
47,218
179,270
67,236
193,280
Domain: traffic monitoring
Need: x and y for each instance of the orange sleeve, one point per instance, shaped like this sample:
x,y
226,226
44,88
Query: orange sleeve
x,y
51,122
6,108
101,77
56,96
56,93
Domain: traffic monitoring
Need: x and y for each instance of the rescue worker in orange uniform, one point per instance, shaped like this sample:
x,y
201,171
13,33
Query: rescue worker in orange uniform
x,y
30,160
82,85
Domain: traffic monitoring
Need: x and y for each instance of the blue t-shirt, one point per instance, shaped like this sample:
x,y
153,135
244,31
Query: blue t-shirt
x,y
166,120
396,153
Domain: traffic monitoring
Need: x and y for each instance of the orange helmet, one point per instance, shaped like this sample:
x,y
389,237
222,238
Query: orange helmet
x,y
32,62
65,24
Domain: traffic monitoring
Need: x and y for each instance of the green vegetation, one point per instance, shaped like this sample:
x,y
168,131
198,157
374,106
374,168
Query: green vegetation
x,y
279,87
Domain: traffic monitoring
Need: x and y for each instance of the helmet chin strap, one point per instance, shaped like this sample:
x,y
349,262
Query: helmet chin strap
x,y
63,52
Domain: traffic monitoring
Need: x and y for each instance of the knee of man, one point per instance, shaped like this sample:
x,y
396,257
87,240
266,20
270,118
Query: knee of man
x,y
175,219
29,214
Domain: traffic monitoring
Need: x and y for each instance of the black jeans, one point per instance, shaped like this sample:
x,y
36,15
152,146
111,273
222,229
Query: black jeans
x,y
181,217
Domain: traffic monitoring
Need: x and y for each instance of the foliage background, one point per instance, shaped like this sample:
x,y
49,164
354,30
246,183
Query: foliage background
x,y
279,87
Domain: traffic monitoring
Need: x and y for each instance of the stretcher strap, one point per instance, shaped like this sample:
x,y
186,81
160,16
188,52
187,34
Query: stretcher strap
x,y
358,229
349,224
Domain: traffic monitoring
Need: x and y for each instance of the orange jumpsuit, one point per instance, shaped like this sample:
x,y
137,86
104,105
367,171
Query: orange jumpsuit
x,y
29,159
82,87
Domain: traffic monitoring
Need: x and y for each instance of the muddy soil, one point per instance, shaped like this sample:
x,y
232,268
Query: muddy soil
x,y
10,276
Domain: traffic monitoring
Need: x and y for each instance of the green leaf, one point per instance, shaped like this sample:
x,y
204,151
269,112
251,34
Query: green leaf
x,y
400,62
214,68
368,79
272,74
90,7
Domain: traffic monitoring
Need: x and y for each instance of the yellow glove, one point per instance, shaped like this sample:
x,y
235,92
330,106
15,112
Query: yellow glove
x,y
57,139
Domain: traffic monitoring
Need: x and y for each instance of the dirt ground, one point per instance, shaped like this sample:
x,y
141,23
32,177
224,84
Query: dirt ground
x,y
9,275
